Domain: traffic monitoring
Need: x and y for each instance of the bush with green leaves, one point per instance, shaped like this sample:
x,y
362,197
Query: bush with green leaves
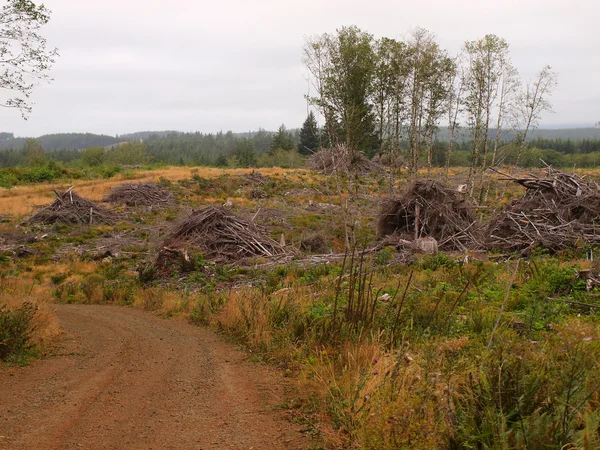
x,y
15,331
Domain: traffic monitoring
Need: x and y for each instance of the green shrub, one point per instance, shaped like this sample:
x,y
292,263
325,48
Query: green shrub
x,y
435,262
8,179
109,171
15,331
41,174
146,273
200,313
58,278
384,256
118,292
92,287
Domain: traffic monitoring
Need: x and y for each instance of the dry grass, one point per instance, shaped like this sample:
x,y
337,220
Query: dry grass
x,y
16,291
21,201
245,312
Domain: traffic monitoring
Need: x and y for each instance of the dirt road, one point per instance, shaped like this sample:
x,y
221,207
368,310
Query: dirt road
x,y
125,379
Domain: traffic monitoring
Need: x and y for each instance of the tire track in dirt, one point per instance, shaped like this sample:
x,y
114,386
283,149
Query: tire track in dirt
x,y
126,379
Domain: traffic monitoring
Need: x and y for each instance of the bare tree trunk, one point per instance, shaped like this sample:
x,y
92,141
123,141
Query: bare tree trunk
x,y
449,153
484,158
522,141
452,121
430,140
475,154
430,154
491,93
417,153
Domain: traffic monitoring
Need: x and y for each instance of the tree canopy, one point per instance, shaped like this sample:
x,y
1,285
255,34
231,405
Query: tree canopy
x,y
24,57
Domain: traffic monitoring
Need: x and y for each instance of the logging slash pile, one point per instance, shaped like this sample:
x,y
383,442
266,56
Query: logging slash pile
x,y
256,178
389,159
341,160
430,208
558,211
220,236
140,194
70,208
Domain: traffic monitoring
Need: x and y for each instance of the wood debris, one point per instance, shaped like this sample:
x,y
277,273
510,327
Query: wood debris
x,y
340,159
221,236
558,211
141,194
70,208
430,208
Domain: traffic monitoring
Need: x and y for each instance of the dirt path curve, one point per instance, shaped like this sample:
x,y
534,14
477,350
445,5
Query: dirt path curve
x,y
126,379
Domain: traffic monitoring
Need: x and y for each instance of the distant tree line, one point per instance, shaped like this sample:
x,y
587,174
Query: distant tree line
x,y
31,162
569,146
62,141
281,148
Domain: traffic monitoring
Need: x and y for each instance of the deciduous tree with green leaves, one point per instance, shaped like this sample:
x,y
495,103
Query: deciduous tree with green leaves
x,y
426,93
486,62
389,90
534,101
33,153
94,156
25,58
342,67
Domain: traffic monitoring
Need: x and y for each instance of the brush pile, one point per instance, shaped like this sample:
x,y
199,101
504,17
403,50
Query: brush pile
x,y
256,178
389,159
70,208
340,159
558,211
430,208
141,194
221,236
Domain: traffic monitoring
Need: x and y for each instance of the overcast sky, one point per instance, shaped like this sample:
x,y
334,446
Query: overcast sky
x,y
134,65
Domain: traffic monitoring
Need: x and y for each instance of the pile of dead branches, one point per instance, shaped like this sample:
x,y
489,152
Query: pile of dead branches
x,y
256,178
430,208
141,194
70,208
221,236
558,211
389,159
340,159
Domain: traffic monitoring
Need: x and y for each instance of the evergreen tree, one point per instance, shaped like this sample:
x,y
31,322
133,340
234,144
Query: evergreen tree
x,y
245,154
221,161
282,140
309,136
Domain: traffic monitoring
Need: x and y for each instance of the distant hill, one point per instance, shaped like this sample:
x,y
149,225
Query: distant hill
x,y
80,141
567,133
574,134
143,135
62,141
